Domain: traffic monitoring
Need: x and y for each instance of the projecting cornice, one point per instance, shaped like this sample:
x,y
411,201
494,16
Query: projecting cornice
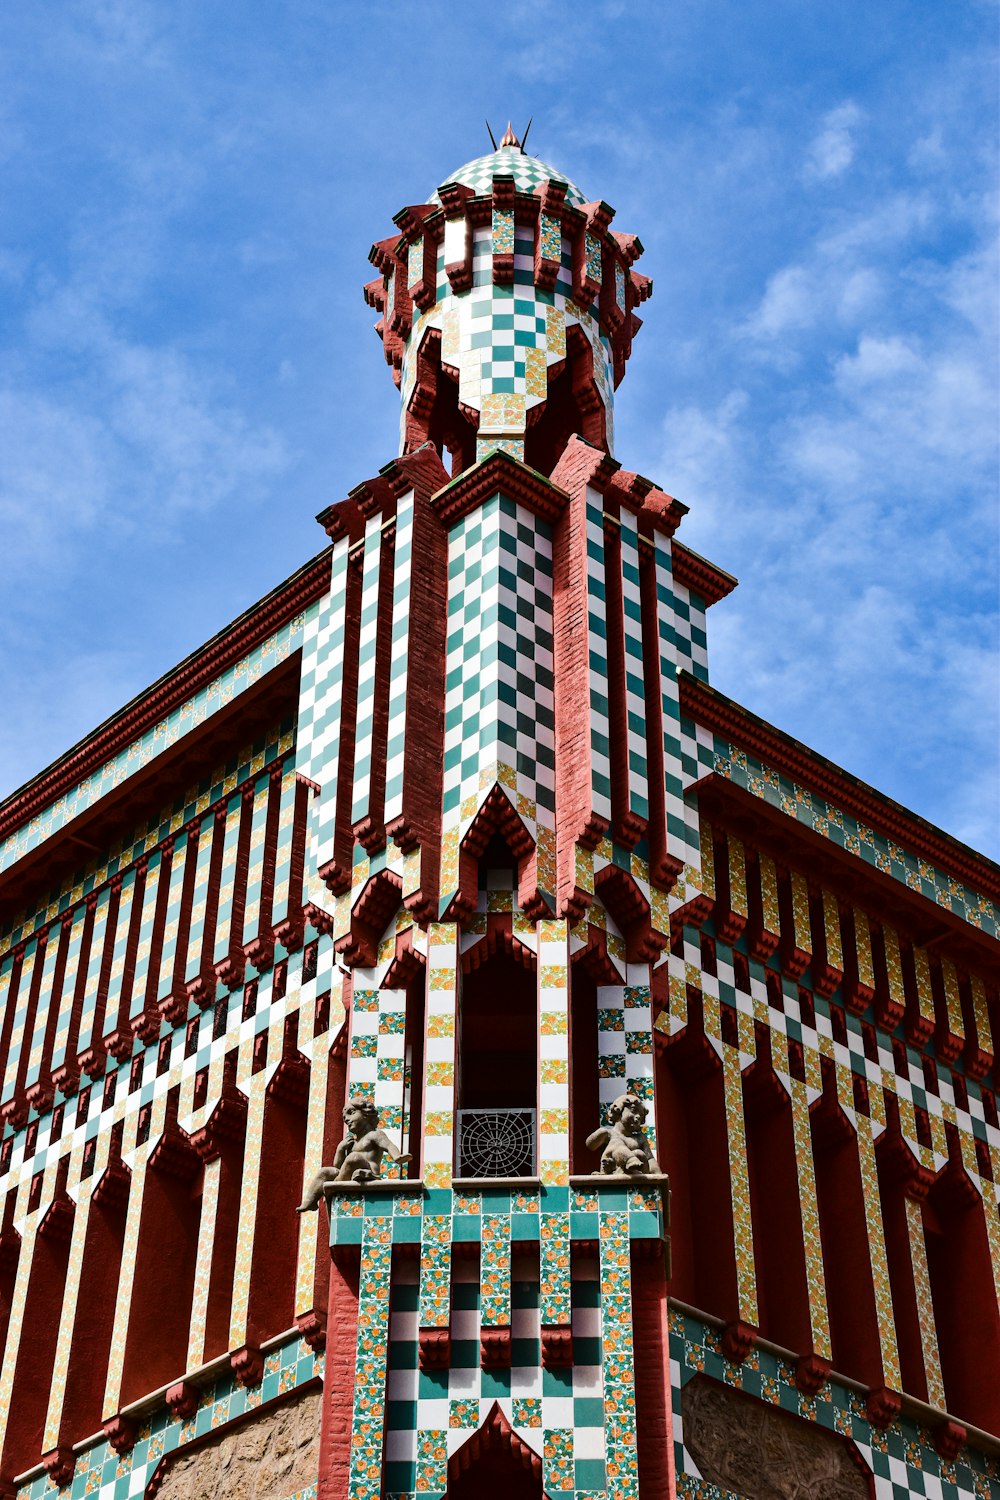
x,y
499,473
706,706
700,576
169,692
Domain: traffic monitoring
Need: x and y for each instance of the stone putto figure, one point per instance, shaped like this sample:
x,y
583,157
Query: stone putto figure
x,y
358,1157
625,1151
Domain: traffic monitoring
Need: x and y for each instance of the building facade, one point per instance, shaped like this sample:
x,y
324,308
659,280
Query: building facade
x,y
453,823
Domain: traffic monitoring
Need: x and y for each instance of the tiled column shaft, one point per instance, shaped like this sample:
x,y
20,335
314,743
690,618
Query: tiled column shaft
x,y
323,690
203,1262
71,1297
119,977
399,657
925,1305
819,1318
257,1095
376,1067
21,1001
439,1054
67,1000
553,1052
619,1372
48,999
368,1420
739,1176
157,872
597,630
877,1253
123,1301
635,693
367,653
494,1301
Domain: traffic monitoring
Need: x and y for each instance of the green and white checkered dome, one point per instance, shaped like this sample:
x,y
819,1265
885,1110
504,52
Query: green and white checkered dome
x,y
510,161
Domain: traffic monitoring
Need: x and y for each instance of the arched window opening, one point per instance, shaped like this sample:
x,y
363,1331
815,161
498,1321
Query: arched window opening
x,y
572,406
782,1290
498,1068
966,1314
495,1465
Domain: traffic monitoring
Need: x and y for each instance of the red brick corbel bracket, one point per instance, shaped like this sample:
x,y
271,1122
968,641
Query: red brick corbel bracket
x,y
434,1348
811,1373
247,1365
949,1439
58,1465
882,1407
557,1346
120,1433
312,1326
495,1347
738,1339
182,1399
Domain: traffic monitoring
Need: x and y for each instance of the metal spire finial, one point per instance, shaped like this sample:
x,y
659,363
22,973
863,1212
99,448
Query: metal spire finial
x,y
509,138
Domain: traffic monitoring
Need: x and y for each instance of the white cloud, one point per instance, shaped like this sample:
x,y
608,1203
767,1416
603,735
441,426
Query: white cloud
x,y
832,150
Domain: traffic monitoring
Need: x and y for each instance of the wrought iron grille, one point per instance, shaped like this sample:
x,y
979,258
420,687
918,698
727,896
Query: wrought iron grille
x,y
496,1142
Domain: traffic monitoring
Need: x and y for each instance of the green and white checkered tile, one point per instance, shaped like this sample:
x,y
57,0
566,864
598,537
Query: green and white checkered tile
x,y
510,161
499,706
635,704
399,657
454,1402
320,706
377,1064
367,652
903,1459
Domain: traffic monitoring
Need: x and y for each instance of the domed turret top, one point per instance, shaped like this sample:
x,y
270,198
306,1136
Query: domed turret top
x,y
510,160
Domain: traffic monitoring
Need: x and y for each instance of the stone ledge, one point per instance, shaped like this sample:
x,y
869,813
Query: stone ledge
x,y
377,1185
478,1184
614,1183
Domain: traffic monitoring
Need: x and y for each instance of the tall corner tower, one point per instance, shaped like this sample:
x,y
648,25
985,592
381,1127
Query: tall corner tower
x,y
448,1049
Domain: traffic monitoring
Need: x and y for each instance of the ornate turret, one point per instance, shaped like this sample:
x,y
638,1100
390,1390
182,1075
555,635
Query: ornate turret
x,y
508,311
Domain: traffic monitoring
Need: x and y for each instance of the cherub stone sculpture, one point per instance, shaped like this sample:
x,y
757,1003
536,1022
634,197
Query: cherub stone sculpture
x,y
359,1155
625,1151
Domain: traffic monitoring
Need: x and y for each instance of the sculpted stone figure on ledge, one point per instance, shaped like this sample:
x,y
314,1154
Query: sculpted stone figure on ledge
x,y
359,1156
625,1151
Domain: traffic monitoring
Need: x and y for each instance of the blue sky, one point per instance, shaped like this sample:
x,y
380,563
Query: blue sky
x,y
188,372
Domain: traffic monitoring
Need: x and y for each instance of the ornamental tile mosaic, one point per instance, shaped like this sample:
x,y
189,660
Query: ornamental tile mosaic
x,y
902,1459
840,828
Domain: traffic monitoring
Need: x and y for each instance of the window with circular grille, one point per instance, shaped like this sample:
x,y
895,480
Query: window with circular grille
x,y
496,1142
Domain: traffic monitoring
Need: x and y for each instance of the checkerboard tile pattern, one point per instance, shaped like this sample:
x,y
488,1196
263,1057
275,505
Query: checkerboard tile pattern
x,y
376,1069
321,686
902,1459
399,656
625,1043
510,161
683,829
635,705
499,718
502,339
558,1413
